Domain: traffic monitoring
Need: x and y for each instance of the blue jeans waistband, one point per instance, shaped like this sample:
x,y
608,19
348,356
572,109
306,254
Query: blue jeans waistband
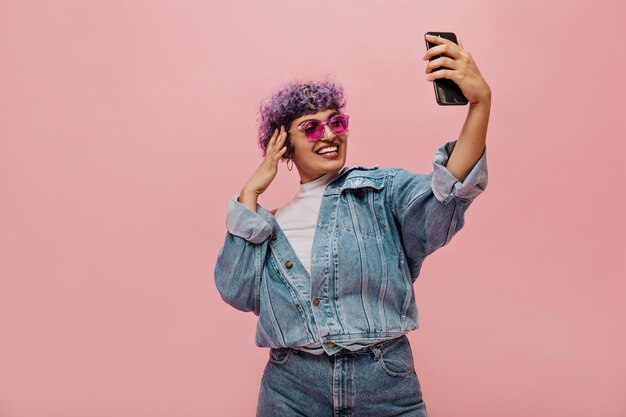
x,y
365,350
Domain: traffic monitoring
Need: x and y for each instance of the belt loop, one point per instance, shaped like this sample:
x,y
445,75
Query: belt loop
x,y
376,352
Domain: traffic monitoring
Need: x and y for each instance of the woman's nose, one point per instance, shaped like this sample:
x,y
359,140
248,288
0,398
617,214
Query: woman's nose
x,y
328,134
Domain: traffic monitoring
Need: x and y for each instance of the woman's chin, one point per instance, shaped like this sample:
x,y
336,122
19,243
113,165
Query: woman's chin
x,y
334,164
334,159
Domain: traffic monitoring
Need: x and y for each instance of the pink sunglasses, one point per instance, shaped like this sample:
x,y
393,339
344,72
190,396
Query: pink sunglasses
x,y
314,129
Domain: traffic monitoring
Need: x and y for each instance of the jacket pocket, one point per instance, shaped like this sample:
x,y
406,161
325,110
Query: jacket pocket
x,y
362,202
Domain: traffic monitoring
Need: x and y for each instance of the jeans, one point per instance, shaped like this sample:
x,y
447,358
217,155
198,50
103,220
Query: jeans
x,y
375,381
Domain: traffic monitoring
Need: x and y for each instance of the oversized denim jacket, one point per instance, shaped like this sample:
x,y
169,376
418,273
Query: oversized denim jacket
x,y
374,230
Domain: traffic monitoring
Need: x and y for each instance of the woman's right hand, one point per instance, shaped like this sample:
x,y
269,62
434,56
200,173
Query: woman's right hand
x,y
266,172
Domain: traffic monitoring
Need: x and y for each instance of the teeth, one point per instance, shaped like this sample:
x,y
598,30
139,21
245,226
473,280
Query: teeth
x,y
328,150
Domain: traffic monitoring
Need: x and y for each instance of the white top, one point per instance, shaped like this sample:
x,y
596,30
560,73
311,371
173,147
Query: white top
x,y
298,218
298,221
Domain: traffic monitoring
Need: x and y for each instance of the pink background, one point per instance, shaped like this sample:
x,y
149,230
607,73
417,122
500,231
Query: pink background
x,y
125,127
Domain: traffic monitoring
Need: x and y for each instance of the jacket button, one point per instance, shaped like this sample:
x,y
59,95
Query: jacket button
x,y
316,302
274,237
360,193
335,255
330,345
288,264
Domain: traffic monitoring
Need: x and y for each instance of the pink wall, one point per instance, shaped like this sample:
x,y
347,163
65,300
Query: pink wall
x,y
125,127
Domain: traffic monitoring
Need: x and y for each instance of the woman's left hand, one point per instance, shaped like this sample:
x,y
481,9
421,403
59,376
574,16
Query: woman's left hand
x,y
462,69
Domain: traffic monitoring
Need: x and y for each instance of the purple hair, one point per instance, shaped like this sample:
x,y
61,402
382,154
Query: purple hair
x,y
293,101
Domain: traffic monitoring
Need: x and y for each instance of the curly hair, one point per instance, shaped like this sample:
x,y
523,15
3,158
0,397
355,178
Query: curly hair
x,y
294,100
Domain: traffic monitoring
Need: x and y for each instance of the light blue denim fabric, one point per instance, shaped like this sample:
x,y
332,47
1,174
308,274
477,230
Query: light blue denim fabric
x,y
374,230
376,381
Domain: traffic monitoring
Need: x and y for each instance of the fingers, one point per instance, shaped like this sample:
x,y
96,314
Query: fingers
x,y
454,62
280,147
271,142
450,49
280,153
276,146
441,62
276,141
438,39
449,74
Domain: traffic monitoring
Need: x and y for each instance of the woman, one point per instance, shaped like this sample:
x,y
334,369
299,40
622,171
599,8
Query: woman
x,y
330,273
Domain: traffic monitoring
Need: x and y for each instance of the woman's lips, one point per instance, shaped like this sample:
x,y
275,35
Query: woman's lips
x,y
329,155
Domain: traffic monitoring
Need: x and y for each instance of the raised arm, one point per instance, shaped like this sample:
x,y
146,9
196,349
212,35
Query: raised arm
x,y
240,261
464,72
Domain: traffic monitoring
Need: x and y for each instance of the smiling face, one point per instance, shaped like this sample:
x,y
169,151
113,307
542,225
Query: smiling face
x,y
323,156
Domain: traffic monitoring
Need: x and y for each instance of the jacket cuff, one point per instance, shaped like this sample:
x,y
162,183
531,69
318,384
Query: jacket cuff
x,y
446,186
245,223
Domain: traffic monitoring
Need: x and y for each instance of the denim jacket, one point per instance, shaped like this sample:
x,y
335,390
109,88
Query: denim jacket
x,y
374,230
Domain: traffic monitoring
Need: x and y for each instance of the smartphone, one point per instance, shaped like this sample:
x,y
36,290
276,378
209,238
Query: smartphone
x,y
446,90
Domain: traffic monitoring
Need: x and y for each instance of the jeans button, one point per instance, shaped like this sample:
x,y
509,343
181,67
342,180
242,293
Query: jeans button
x,y
316,302
288,264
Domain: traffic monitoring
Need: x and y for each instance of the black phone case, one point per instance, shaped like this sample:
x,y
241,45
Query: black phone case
x,y
446,90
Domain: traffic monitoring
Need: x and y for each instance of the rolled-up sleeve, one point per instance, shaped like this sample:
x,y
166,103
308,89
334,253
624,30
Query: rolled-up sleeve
x,y
446,187
247,224
430,208
240,261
